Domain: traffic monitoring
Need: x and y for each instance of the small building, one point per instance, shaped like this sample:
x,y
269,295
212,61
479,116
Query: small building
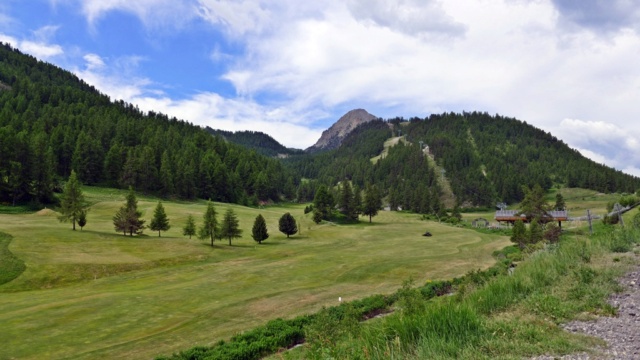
x,y
511,216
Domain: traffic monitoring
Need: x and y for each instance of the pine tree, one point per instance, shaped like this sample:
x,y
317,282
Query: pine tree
x,y
324,202
287,225
209,228
72,202
519,234
259,231
230,226
160,222
347,202
317,216
560,204
128,218
535,232
82,219
190,227
533,206
372,202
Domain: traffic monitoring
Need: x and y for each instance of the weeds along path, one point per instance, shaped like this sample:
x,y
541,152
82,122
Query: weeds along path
x,y
621,333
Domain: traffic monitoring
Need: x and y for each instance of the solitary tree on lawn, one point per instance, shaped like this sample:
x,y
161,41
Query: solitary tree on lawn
x,y
230,226
287,225
210,227
72,203
259,231
160,222
190,227
128,218
82,219
372,201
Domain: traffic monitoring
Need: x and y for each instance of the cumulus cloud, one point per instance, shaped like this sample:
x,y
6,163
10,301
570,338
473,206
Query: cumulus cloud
x,y
40,50
600,15
284,123
424,18
603,142
39,46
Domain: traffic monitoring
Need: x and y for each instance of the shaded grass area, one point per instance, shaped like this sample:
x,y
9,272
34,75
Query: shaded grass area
x,y
10,266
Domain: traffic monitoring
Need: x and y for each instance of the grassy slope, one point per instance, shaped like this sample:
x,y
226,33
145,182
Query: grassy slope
x,y
95,293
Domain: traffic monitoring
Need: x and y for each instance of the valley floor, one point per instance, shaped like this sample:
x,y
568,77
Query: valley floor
x,y
95,293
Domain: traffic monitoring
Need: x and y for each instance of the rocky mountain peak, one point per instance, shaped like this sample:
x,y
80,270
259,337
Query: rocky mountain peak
x,y
333,136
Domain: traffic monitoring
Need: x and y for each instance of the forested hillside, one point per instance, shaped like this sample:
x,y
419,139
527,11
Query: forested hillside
x,y
52,122
486,159
255,140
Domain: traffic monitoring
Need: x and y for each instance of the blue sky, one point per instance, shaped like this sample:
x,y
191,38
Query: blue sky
x,y
291,68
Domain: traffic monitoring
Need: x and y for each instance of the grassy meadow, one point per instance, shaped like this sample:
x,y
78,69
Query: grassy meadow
x,y
96,293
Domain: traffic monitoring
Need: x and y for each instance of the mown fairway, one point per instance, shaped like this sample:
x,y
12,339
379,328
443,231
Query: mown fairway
x,y
95,293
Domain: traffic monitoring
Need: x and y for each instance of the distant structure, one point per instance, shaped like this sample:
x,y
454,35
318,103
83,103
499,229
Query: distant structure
x,y
511,216
480,223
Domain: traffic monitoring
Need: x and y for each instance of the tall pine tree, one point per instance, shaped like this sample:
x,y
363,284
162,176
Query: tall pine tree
x,y
160,222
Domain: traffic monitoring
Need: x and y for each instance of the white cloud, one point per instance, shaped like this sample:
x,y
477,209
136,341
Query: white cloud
x,y
94,62
603,142
285,124
153,13
413,17
40,50
9,40
38,44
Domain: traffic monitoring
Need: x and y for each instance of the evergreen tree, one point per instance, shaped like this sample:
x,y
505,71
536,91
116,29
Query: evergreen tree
x,y
230,227
317,216
519,234
372,202
323,202
189,227
128,218
209,228
357,199
560,204
535,232
82,219
533,206
259,231
72,203
160,222
347,201
288,225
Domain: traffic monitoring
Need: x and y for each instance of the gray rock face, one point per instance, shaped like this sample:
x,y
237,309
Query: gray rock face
x,y
332,137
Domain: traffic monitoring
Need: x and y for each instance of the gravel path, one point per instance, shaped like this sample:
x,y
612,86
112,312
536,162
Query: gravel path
x,y
622,333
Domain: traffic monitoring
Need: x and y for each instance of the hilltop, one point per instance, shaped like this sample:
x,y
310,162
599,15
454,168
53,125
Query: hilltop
x,y
333,137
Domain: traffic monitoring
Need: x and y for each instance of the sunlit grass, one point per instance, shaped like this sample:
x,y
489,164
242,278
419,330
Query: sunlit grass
x,y
96,293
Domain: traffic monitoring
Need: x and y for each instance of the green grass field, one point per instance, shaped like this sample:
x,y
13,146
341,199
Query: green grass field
x,y
95,293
